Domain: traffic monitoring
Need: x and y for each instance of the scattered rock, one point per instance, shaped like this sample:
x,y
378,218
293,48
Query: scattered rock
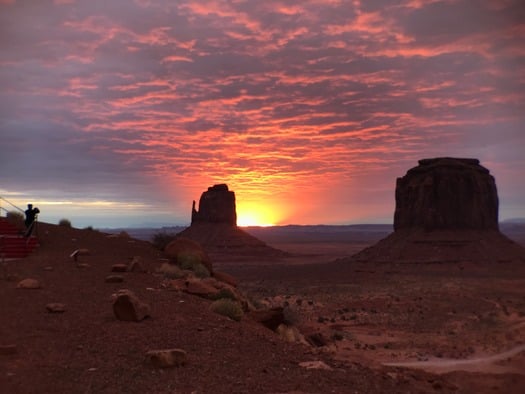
x,y
127,307
166,358
315,365
7,350
114,279
270,318
79,252
200,288
119,268
56,307
226,278
28,283
136,265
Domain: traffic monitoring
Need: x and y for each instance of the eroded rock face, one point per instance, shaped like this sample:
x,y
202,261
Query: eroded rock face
x,y
217,205
446,193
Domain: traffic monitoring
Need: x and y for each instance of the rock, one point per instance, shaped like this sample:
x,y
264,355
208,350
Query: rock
x,y
183,251
79,252
200,288
6,350
119,268
127,307
217,205
315,365
56,307
225,278
270,318
446,193
48,268
136,265
114,279
28,283
167,358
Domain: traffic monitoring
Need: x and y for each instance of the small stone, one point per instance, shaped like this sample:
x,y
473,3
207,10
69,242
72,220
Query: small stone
x,y
315,365
6,350
127,307
167,358
83,265
48,268
114,279
28,283
56,307
119,268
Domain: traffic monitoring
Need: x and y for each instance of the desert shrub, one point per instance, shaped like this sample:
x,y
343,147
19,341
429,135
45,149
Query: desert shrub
x,y
171,271
224,293
200,271
161,240
188,260
89,228
64,223
227,307
15,218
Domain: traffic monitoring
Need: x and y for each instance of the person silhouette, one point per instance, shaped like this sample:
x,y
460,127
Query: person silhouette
x,y
31,216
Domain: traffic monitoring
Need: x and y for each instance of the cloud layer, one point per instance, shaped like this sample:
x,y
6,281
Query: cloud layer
x,y
310,107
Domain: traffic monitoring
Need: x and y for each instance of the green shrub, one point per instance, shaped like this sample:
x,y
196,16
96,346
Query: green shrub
x,y
161,240
64,223
200,271
224,293
227,307
171,271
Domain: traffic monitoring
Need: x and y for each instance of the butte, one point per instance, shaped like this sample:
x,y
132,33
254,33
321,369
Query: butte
x,y
446,211
214,226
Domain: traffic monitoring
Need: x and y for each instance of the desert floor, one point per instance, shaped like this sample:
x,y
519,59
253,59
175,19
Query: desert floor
x,y
447,328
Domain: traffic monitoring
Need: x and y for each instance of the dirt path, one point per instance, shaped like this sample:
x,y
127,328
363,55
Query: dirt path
x,y
485,364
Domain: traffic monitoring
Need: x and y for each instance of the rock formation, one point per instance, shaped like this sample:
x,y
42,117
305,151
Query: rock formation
x,y
446,211
217,205
214,227
446,193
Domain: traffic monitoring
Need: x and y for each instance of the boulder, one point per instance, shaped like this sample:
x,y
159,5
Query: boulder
x,y
114,279
270,318
184,251
28,283
166,358
225,278
127,307
55,307
446,193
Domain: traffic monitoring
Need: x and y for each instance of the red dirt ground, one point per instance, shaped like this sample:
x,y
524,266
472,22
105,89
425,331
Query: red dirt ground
x,y
391,313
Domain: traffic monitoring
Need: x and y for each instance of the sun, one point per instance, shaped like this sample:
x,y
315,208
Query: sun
x,y
254,214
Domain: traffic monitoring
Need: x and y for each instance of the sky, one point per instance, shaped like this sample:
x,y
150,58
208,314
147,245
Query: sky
x,y
120,113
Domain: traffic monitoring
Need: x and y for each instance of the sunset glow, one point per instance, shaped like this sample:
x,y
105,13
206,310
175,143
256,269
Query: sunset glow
x,y
253,214
308,110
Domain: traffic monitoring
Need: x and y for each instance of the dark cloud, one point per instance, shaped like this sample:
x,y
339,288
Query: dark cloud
x,y
147,102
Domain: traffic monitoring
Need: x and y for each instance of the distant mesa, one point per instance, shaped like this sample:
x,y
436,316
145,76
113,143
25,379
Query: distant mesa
x,y
446,211
217,205
214,226
446,193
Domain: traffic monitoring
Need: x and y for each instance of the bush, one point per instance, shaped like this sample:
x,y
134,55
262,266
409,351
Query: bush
x,y
227,307
171,271
224,293
200,271
161,240
64,223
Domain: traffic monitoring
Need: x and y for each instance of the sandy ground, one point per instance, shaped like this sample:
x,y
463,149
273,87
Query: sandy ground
x,y
448,328
464,321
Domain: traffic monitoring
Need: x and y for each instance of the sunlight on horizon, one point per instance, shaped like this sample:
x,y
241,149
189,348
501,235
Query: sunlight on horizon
x,y
254,214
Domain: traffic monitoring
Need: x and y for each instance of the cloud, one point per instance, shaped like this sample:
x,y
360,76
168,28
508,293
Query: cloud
x,y
149,102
